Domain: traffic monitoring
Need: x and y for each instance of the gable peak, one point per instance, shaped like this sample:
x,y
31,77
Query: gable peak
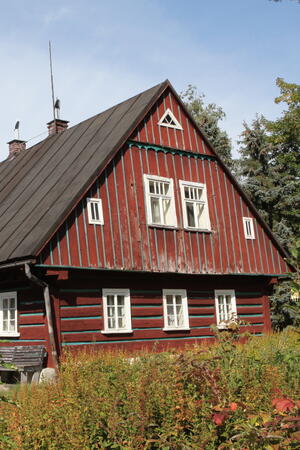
x,y
168,119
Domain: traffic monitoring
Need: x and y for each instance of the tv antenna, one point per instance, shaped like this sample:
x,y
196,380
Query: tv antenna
x,y
52,84
17,130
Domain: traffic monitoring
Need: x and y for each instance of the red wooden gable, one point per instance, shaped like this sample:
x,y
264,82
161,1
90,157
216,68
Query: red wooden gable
x,y
127,242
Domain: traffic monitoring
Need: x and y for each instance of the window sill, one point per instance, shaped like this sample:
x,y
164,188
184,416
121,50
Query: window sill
x,y
157,225
116,331
177,329
3,334
198,230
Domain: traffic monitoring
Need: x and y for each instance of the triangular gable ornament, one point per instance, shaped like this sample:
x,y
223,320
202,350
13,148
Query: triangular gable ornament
x,y
169,120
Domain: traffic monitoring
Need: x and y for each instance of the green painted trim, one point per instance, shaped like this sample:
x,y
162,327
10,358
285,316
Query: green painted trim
x,y
32,325
147,317
204,315
82,331
174,151
256,305
80,318
32,314
26,340
139,340
80,306
30,302
104,269
244,294
251,315
146,291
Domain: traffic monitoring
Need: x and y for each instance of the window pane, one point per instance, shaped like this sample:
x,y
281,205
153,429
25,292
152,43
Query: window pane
x,y
121,300
151,187
228,307
121,322
12,325
170,299
110,311
111,322
5,303
110,299
12,303
166,188
167,211
5,314
96,211
5,325
121,311
155,210
190,214
178,299
186,192
199,211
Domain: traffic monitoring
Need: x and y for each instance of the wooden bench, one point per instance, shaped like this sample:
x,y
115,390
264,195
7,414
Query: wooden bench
x,y
28,360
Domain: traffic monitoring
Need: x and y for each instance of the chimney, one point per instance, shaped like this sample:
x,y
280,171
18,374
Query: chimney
x,y
57,126
16,146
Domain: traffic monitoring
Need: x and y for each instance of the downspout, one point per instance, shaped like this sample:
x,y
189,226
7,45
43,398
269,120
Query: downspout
x,y
45,287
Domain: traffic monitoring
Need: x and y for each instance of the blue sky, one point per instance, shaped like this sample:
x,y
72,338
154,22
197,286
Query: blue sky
x,y
105,52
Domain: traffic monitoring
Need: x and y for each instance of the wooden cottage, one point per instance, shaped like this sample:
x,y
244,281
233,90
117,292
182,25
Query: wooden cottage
x,y
128,230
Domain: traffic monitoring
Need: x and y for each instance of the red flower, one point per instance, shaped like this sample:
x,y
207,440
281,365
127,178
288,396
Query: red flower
x,y
283,404
219,418
233,406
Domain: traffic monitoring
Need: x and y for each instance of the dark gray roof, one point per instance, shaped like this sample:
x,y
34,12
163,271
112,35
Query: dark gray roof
x,y
40,186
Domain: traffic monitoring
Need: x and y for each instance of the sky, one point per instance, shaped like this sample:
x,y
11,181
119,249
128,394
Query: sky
x,y
107,51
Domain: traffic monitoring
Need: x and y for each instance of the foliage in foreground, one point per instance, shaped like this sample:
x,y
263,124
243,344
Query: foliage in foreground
x,y
227,395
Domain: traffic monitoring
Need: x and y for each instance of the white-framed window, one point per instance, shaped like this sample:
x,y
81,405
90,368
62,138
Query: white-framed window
x,y
225,307
194,205
95,213
176,316
8,314
168,119
248,228
116,311
160,202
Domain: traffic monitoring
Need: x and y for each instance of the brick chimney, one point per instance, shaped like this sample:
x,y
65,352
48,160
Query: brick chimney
x,y
15,147
57,126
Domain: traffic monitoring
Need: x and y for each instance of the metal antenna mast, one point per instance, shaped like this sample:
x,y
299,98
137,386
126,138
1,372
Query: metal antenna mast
x,y
52,85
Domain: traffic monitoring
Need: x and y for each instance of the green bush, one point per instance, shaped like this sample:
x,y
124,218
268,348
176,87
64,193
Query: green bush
x,y
227,395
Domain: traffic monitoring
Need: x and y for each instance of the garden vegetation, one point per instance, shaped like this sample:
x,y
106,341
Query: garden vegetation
x,y
225,395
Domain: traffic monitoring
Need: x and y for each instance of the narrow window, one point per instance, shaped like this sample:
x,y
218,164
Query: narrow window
x,y
8,314
95,213
160,204
168,119
116,311
194,205
248,228
175,310
225,307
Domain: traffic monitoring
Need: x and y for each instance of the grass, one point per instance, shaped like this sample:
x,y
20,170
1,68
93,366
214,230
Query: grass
x,y
227,395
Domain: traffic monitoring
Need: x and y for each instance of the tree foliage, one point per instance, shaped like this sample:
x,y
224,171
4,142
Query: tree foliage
x,y
208,117
270,165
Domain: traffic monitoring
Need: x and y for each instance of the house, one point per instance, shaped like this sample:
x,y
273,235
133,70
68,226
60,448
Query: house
x,y
128,230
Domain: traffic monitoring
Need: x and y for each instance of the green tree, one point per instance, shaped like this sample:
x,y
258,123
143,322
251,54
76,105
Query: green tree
x,y
208,118
270,165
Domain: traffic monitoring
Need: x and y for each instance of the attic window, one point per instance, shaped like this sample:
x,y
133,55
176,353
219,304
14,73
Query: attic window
x,y
248,228
95,213
169,120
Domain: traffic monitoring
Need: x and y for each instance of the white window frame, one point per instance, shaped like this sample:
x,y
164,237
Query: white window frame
x,y
205,213
14,333
161,197
126,294
248,228
167,112
98,202
223,324
183,294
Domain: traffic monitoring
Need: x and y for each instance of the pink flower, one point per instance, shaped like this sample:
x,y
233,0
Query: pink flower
x,y
283,404
233,406
219,418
